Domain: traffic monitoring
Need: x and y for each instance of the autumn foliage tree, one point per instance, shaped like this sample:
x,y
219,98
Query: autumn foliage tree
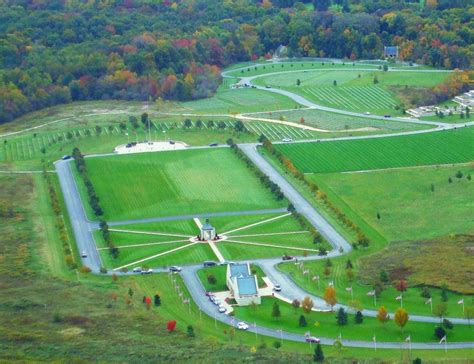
x,y
307,304
401,317
171,325
382,315
330,296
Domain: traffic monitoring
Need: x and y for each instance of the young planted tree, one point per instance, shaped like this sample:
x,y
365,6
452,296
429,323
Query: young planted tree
x,y
440,310
276,311
307,304
296,304
302,321
382,315
330,296
359,318
341,317
318,356
401,317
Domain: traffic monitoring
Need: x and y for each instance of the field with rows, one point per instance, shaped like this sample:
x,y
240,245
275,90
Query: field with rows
x,y
355,90
337,122
175,183
443,147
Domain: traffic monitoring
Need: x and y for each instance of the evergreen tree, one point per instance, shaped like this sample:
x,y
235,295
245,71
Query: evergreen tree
x,y
276,311
341,317
302,321
359,318
318,356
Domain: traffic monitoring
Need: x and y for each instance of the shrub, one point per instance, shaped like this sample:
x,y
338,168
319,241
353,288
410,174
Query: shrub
x,y
85,269
448,324
277,344
211,279
439,332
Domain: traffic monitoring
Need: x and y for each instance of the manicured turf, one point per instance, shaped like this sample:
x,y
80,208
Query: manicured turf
x,y
281,224
403,198
125,239
339,122
238,100
444,147
182,227
235,251
175,183
324,325
355,90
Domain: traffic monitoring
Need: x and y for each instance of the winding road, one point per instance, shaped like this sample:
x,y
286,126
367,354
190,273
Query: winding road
x,y
83,231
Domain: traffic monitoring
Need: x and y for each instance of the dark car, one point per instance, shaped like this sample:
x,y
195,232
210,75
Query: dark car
x,y
312,339
66,157
213,144
287,257
172,142
210,264
175,268
387,116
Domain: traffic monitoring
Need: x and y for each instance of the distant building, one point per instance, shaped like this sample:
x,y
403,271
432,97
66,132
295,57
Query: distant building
x,y
208,232
390,52
242,284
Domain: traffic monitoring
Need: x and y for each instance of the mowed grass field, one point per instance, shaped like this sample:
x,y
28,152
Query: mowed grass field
x,y
408,208
445,147
355,89
176,183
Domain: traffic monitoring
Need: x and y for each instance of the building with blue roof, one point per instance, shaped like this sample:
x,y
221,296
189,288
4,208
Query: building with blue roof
x,y
242,284
390,52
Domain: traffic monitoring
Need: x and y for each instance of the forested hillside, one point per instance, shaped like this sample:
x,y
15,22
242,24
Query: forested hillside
x,y
59,51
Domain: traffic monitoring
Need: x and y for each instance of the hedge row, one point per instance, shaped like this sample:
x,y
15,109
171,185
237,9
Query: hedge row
x,y
314,188
81,167
94,201
61,226
113,250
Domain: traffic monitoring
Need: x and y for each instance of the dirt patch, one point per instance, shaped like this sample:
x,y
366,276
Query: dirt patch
x,y
446,260
72,331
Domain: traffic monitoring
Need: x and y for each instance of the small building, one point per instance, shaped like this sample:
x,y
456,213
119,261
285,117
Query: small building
x,y
390,52
242,284
208,232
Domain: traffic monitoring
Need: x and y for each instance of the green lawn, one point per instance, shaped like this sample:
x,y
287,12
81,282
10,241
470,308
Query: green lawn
x,y
234,251
338,122
355,89
444,147
182,227
408,208
175,183
219,272
324,325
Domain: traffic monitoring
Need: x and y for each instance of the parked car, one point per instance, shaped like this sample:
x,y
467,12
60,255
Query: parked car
x,y
222,309
137,270
268,86
172,142
312,339
242,326
209,264
287,140
287,257
213,144
175,268
216,301
66,157
84,254
147,271
367,113
209,294
277,288
226,263
387,116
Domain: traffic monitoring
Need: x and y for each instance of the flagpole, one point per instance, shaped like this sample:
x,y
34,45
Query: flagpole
x,y
256,338
401,300
375,343
446,345
431,304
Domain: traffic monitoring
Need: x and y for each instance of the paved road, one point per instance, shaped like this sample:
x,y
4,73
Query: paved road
x,y
80,225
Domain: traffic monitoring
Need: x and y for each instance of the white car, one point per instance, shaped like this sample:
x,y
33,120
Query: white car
x,y
222,309
175,268
367,113
137,270
147,271
216,301
286,140
242,326
84,254
277,288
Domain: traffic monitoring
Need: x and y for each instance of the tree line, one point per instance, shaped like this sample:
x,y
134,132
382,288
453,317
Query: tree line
x,y
54,52
362,239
